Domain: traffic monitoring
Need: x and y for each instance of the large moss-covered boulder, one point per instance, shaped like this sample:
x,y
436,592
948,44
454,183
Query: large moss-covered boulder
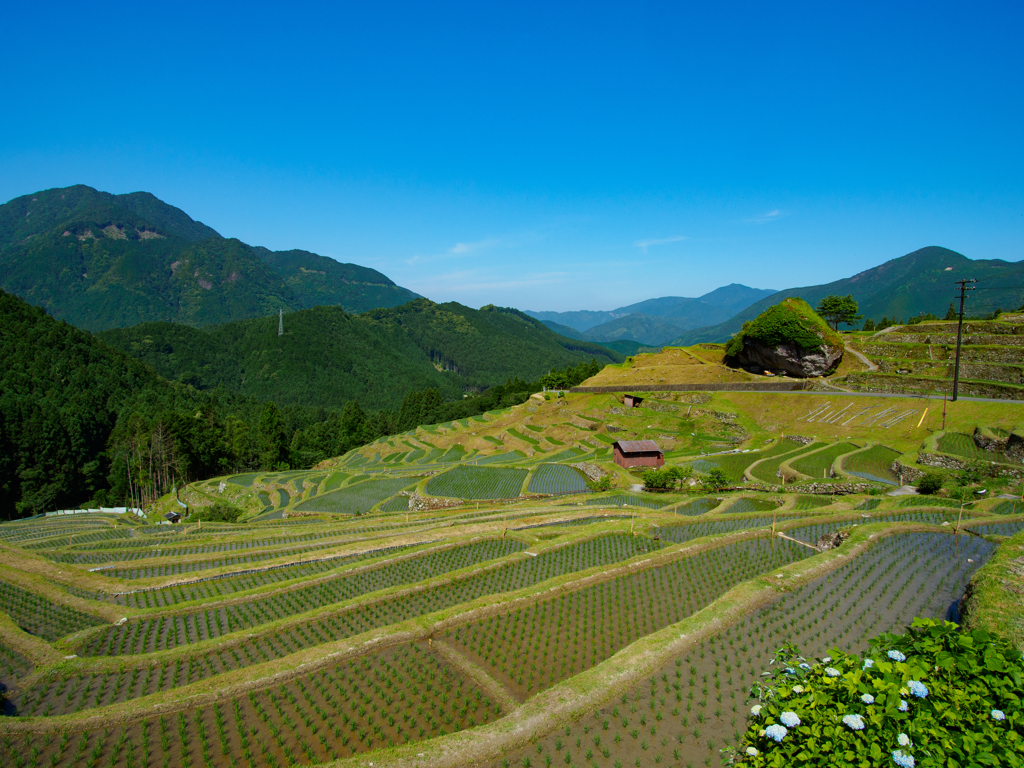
x,y
789,338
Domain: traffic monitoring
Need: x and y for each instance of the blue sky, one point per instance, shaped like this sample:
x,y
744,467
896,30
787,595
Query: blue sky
x,y
540,155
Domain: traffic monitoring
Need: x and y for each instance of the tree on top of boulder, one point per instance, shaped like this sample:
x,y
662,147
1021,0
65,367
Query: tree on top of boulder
x,y
839,309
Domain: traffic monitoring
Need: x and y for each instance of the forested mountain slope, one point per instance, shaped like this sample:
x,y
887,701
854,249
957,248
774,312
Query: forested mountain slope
x,y
922,281
328,357
107,261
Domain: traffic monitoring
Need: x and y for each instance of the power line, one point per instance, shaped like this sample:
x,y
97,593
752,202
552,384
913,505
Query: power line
x,y
965,286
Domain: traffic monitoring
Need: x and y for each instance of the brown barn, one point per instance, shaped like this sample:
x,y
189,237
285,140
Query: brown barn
x,y
637,453
631,401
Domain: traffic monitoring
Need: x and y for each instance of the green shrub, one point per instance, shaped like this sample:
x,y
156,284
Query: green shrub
x,y
220,512
930,483
935,696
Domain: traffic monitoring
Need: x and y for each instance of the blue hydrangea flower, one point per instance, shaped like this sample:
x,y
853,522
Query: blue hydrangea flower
x,y
790,671
792,720
776,732
903,740
868,664
902,759
896,656
831,671
855,722
998,714
752,752
805,665
904,706
867,698
917,688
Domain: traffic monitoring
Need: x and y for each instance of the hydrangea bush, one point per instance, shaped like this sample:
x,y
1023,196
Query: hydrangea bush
x,y
935,696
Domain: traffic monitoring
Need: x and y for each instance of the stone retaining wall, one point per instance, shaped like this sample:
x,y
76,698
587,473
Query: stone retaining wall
x,y
750,386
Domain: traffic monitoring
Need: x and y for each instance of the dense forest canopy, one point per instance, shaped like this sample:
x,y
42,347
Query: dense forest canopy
x,y
327,357
83,423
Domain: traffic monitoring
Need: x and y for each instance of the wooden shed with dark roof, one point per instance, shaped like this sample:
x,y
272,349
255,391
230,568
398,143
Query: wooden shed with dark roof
x,y
637,453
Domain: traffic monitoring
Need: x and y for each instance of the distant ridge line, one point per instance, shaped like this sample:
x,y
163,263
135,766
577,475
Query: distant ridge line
x,y
754,386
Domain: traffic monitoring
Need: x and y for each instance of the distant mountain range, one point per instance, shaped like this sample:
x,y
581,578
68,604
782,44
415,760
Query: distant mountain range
x,y
103,261
920,282
654,321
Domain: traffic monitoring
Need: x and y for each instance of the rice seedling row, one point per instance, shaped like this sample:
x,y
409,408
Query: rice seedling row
x,y
873,464
535,647
811,533
475,482
173,549
557,479
175,569
166,632
625,500
734,464
959,444
39,616
819,465
355,499
603,550
744,504
396,696
1009,508
804,502
214,587
577,521
397,504
13,666
999,529
697,507
682,533
697,703
768,471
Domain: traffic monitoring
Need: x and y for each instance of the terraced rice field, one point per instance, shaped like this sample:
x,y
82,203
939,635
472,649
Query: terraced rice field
x,y
689,708
354,624
873,464
356,499
819,465
769,471
960,444
533,648
472,482
557,479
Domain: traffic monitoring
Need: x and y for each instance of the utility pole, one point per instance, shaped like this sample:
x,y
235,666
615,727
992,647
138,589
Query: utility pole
x,y
964,288
280,321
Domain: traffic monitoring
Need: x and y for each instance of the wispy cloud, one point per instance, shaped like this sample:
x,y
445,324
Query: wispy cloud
x,y
457,250
765,218
464,249
469,281
643,244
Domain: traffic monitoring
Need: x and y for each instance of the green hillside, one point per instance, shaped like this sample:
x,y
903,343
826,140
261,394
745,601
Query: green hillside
x,y
922,281
327,356
104,261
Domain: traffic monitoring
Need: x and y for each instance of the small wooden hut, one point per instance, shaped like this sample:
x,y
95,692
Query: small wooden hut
x,y
637,453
